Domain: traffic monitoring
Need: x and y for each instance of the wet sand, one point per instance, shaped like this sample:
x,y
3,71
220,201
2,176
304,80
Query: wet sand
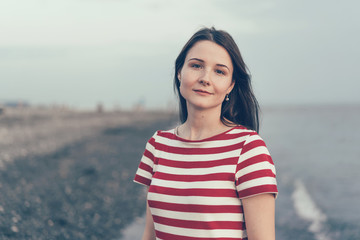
x,y
81,190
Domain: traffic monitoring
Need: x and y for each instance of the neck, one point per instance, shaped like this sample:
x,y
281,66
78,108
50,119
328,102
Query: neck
x,y
202,124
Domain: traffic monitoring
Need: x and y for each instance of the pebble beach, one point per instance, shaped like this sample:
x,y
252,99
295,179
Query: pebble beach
x,y
68,174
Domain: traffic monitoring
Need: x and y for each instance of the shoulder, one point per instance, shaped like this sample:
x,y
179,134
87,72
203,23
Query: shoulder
x,y
249,140
248,133
161,136
242,132
164,133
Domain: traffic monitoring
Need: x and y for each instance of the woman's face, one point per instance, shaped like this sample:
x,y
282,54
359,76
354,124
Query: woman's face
x,y
206,76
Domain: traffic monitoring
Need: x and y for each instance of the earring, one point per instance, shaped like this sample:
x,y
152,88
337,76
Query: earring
x,y
227,97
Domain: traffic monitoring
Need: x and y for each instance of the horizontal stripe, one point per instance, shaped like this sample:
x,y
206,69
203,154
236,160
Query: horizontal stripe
x,y
198,157
196,171
200,233
195,178
198,164
198,224
144,173
210,144
256,182
254,152
197,216
197,208
145,167
201,200
169,236
147,160
208,185
142,180
253,142
256,174
258,190
212,185
255,167
198,151
229,135
243,163
241,130
194,192
149,155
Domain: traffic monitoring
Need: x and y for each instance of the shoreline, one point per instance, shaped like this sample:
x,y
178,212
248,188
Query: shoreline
x,y
25,132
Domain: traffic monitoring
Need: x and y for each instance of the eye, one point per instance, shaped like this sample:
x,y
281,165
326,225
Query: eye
x,y
195,65
220,72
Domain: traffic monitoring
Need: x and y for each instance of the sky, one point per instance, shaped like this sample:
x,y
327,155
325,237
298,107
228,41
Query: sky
x,y
121,52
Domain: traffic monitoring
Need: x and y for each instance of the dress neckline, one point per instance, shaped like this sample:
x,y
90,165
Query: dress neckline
x,y
216,136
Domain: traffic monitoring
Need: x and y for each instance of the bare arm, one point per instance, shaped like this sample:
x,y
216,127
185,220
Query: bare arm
x,y
149,232
260,217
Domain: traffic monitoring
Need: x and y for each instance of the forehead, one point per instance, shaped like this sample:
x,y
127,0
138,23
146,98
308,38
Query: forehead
x,y
210,52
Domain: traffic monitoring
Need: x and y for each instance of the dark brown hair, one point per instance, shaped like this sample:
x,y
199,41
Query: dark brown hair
x,y
242,108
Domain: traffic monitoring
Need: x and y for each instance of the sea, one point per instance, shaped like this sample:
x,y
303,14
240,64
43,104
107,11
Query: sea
x,y
317,157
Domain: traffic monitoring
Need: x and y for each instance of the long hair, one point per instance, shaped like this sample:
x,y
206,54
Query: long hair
x,y
242,107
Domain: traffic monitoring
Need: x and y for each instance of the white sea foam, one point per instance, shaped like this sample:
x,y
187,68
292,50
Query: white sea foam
x,y
134,230
306,209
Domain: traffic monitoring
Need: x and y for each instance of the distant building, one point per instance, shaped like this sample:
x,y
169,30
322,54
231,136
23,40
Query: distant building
x,y
100,108
2,109
15,104
139,105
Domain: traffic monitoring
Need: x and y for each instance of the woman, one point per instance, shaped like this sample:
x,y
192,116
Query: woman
x,y
212,176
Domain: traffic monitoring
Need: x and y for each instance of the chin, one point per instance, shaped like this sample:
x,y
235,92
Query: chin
x,y
205,105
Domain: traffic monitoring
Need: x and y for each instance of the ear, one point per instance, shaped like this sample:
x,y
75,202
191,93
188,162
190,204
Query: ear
x,y
231,87
179,76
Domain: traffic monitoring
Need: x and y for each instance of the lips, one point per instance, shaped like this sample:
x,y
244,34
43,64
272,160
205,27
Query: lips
x,y
202,92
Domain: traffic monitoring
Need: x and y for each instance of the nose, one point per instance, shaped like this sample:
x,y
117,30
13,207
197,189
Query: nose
x,y
205,78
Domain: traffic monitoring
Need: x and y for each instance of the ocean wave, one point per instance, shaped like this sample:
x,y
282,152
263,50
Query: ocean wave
x,y
307,209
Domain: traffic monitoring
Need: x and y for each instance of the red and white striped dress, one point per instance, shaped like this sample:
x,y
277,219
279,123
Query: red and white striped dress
x,y
196,187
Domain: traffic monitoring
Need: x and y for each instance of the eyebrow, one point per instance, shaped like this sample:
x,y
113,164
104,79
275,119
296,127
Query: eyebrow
x,y
200,60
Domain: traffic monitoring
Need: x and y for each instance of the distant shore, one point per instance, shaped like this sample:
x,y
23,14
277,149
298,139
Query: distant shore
x,y
34,131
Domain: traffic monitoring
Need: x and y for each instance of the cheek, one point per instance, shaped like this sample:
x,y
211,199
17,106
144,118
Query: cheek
x,y
186,86
187,81
224,87
183,88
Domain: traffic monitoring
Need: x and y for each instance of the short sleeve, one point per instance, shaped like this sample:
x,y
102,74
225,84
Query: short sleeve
x,y
145,170
255,170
